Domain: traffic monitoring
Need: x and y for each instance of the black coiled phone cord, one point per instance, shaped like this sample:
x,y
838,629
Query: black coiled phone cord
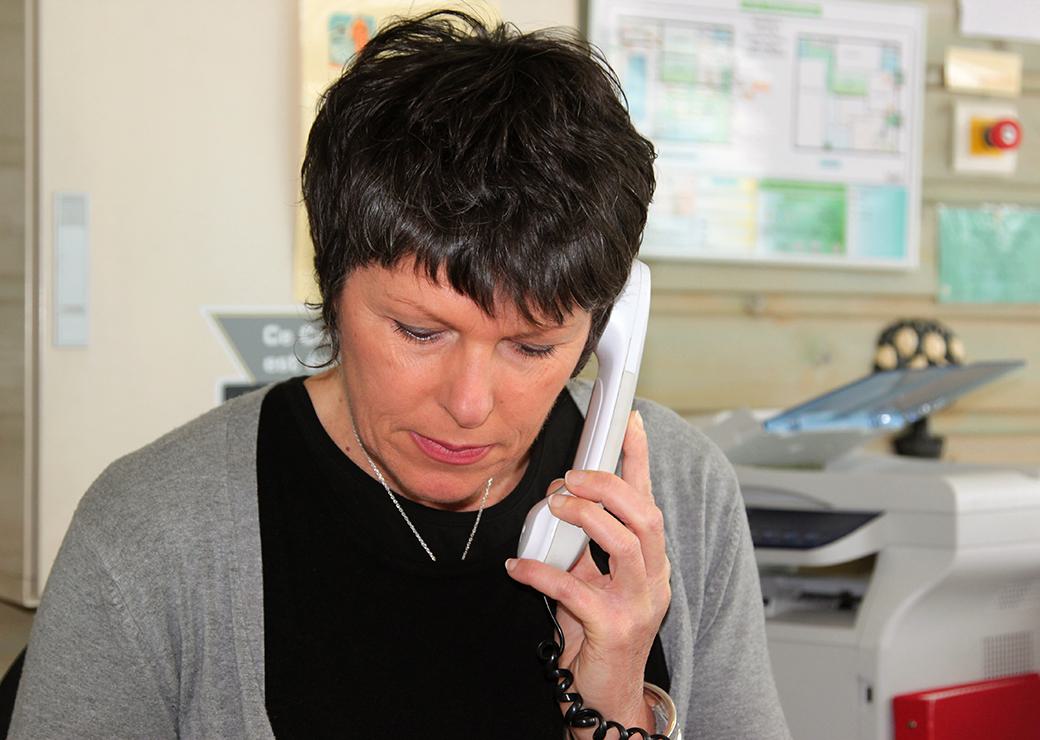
x,y
577,714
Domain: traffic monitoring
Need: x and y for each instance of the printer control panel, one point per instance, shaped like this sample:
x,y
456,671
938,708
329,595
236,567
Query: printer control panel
x,y
795,529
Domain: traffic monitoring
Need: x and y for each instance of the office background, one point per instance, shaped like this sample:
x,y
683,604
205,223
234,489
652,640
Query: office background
x,y
179,120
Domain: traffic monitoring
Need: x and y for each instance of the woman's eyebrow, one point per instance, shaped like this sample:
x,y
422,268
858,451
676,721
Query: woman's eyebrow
x,y
536,332
410,303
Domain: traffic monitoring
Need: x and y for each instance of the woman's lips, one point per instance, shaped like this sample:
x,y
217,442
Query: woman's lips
x,y
450,454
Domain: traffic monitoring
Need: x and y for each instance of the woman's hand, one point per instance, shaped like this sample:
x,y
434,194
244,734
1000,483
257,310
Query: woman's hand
x,y
610,621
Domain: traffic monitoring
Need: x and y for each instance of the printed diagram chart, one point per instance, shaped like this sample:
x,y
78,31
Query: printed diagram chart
x,y
849,95
692,69
786,130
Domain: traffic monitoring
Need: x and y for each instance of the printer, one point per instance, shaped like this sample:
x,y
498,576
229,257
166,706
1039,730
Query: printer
x,y
882,575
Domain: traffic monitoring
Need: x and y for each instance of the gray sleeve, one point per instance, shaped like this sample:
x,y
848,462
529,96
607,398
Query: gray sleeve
x,y
714,632
87,672
733,693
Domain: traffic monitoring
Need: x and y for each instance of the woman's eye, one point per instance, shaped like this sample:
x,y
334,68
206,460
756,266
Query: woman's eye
x,y
536,350
414,333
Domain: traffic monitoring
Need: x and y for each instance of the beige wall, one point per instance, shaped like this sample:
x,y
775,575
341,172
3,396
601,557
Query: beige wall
x,y
177,119
533,14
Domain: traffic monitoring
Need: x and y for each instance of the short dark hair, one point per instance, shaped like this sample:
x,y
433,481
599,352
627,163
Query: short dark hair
x,y
505,159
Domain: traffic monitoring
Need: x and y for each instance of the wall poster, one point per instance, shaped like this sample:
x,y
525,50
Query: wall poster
x,y
788,131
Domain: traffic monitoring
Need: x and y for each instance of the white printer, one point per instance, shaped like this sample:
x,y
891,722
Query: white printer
x,y
884,575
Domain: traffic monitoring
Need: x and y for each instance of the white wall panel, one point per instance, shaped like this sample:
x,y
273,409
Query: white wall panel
x,y
177,120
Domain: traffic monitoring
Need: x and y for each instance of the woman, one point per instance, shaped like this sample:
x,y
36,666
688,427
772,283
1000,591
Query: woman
x,y
325,557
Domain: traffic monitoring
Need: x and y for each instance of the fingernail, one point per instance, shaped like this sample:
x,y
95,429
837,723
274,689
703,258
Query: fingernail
x,y
556,501
639,418
574,477
510,564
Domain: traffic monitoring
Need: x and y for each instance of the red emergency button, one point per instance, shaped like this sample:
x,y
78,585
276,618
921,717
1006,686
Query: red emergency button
x,y
1004,134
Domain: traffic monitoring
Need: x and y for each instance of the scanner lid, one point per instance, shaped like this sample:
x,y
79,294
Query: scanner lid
x,y
888,400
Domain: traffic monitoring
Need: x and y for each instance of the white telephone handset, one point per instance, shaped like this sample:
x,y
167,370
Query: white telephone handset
x,y
619,351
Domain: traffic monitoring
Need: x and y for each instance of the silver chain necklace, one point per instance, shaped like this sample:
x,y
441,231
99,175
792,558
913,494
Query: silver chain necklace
x,y
400,509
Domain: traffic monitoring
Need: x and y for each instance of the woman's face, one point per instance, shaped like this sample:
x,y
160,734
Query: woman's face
x,y
443,395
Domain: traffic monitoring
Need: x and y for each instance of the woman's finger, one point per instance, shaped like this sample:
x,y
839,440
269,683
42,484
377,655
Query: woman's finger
x,y
565,588
623,545
635,460
639,514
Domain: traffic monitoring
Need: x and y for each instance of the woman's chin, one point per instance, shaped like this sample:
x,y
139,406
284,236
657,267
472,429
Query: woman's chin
x,y
449,495
457,487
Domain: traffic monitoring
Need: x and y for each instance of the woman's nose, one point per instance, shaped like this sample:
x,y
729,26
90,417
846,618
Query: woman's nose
x,y
469,393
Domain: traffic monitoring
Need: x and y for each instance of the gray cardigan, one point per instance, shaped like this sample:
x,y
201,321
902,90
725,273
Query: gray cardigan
x,y
151,625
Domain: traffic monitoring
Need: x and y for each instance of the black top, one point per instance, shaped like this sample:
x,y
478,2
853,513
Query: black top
x,y
363,634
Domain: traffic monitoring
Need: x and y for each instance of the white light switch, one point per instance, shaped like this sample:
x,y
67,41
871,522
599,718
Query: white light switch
x,y
71,269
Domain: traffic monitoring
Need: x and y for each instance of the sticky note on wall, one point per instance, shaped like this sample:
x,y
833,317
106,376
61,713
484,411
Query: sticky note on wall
x,y
989,254
983,71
